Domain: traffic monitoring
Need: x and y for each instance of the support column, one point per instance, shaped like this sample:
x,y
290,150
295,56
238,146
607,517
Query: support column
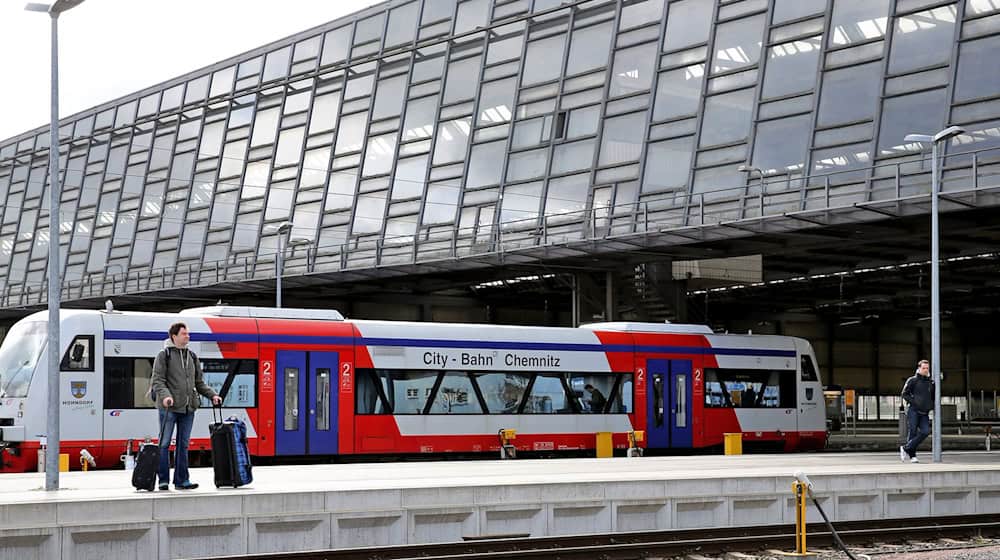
x,y
575,302
831,336
875,341
609,296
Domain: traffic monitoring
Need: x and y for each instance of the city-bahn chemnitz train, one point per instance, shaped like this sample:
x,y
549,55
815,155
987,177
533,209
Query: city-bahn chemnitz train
x,y
310,383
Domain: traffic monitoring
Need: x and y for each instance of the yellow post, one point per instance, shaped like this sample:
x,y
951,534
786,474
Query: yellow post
x,y
64,462
799,489
733,444
605,448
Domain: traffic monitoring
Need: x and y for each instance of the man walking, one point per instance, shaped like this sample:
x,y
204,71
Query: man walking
x,y
918,392
177,381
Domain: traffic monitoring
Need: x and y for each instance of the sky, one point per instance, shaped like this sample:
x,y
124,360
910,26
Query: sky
x,y
110,48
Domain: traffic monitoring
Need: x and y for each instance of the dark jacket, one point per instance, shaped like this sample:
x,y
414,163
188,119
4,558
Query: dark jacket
x,y
179,377
918,392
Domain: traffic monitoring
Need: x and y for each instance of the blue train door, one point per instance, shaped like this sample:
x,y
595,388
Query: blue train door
x,y
669,409
306,403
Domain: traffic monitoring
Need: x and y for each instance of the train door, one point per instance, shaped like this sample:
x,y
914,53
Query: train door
x,y
306,408
669,403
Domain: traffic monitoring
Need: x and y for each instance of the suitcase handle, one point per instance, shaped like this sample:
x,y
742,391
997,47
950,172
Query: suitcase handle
x,y
217,418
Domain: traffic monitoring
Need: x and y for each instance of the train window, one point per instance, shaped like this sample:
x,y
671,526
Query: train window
x,y
322,398
370,393
680,411
808,369
242,392
291,380
407,391
502,391
19,355
80,355
548,396
658,400
738,388
455,395
126,381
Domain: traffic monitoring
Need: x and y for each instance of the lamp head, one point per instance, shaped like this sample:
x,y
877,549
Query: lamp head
x,y
949,132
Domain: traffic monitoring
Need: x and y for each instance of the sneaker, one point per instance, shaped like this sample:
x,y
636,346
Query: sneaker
x,y
914,460
903,455
186,486
164,486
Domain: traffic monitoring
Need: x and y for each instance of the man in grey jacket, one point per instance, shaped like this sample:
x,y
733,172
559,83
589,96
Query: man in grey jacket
x,y
177,381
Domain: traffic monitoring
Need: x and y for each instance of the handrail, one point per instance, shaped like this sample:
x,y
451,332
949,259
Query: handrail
x,y
652,215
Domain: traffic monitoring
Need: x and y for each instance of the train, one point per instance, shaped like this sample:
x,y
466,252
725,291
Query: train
x,y
312,385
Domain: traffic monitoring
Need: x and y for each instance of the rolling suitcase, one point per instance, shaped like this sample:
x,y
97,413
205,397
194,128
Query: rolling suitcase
x,y
147,463
230,455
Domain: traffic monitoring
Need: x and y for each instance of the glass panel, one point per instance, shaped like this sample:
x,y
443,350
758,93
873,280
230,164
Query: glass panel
x,y
780,146
527,165
843,158
370,213
496,102
419,121
688,23
350,134
532,132
980,6
548,396
849,94
455,395
452,139
172,98
920,113
502,391
567,194
340,191
408,391
667,164
277,64
922,39
737,43
521,202
307,48
727,118
589,48
787,10
791,67
265,127
546,56
640,13
289,146
855,22
622,138
402,24
409,179
472,14
506,49
389,97
463,76
680,390
678,92
222,81
486,164
573,156
583,122
359,85
335,45
440,204
323,398
978,69
633,69
379,154
436,10
291,399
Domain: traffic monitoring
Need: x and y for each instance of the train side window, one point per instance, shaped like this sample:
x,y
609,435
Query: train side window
x,y
370,393
455,395
80,355
125,383
739,388
502,391
808,369
548,396
407,391
243,388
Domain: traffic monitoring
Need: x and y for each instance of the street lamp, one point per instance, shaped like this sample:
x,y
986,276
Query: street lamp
x,y
52,420
282,230
749,169
934,140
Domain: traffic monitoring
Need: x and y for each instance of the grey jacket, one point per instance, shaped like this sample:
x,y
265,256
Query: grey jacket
x,y
181,379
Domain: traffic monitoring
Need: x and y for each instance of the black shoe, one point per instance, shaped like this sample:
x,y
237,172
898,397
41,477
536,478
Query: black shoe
x,y
164,486
186,486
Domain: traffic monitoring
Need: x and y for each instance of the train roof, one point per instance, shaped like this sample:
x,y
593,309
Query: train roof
x,y
263,312
631,326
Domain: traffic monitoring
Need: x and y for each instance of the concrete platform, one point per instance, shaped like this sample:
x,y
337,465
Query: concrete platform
x,y
98,515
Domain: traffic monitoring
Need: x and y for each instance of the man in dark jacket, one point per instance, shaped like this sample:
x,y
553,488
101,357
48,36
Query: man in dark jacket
x,y
177,381
918,392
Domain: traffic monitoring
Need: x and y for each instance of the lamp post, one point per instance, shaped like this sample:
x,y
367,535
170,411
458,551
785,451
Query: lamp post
x,y
749,169
282,230
934,140
52,419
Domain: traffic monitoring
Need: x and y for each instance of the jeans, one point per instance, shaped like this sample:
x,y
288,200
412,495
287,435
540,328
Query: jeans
x,y
184,423
917,429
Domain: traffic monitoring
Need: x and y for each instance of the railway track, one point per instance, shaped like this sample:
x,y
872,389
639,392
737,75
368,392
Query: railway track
x,y
656,544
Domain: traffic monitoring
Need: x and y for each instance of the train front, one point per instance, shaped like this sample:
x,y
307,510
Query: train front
x,y
21,361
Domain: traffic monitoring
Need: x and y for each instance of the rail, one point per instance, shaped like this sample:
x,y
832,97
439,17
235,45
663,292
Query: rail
x,y
885,190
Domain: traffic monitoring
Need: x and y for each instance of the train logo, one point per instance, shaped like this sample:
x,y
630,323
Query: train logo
x,y
78,388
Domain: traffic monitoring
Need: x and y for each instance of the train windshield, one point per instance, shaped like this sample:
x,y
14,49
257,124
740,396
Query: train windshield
x,y
18,356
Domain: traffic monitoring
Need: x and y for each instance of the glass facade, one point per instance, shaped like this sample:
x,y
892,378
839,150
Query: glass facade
x,y
418,129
